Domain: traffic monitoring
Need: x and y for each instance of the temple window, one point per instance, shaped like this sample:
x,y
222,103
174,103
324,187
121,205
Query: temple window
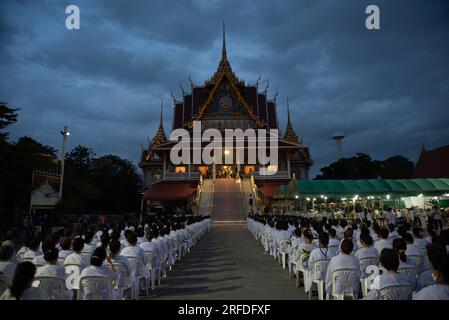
x,y
180,169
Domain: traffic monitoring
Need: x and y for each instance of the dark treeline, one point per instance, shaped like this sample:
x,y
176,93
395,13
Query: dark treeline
x,y
92,184
361,166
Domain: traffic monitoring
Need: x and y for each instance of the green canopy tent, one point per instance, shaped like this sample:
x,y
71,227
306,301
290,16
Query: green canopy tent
x,y
370,187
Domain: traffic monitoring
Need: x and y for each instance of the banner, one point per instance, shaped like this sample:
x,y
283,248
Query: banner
x,y
45,190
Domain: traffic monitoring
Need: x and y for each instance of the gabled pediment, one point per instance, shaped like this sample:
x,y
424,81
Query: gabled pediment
x,y
226,100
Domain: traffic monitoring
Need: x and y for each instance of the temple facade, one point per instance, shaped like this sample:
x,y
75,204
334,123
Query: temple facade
x,y
223,102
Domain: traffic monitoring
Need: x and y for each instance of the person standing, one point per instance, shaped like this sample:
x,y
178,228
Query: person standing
x,y
391,217
251,201
84,220
102,220
437,218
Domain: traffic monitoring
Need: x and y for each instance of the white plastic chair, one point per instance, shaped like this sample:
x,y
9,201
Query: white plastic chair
x,y
73,272
283,251
54,287
137,266
61,261
346,278
319,276
416,260
27,259
299,268
86,255
95,288
396,292
5,282
412,273
121,284
153,266
364,278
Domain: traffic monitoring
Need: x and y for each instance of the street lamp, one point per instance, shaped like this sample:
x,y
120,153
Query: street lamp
x,y
65,133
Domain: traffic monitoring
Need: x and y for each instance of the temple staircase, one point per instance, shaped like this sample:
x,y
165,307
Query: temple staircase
x,y
228,206
206,205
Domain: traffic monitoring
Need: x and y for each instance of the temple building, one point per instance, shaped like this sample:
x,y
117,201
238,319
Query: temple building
x,y
223,102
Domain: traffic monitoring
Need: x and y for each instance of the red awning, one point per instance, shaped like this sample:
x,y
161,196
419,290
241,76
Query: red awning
x,y
268,187
170,190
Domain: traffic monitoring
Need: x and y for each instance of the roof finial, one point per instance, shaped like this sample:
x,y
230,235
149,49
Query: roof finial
x,y
161,124
224,56
288,111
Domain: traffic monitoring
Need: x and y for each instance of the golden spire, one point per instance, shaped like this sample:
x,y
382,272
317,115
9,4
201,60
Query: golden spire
x,y
290,134
224,54
160,136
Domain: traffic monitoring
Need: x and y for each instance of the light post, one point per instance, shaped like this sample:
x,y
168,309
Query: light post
x,y
65,133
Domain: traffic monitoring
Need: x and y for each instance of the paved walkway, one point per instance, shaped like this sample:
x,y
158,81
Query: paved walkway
x,y
228,263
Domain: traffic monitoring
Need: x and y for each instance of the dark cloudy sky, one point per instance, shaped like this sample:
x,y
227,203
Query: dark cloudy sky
x,y
387,90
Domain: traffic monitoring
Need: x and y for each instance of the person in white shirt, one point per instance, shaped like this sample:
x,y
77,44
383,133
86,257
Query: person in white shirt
x,y
21,288
133,250
400,246
348,235
24,249
140,235
76,257
383,242
413,251
392,233
98,269
66,248
420,242
320,253
34,250
440,272
296,240
89,243
361,215
422,215
115,257
369,216
333,242
390,262
6,266
366,250
344,260
149,245
391,217
53,269
47,244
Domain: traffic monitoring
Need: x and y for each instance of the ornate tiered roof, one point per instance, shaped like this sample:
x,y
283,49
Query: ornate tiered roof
x,y
201,102
160,136
290,134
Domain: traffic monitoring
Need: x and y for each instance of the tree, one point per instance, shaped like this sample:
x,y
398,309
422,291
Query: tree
x,y
396,167
107,183
23,157
8,116
361,166
79,161
119,183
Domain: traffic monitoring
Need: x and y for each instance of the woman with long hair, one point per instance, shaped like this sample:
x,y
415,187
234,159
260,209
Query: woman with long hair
x,y
21,288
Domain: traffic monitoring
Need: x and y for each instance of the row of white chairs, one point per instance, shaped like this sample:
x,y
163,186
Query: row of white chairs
x,y
101,287
346,278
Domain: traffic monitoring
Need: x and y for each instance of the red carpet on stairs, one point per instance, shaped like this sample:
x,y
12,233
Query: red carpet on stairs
x,y
227,201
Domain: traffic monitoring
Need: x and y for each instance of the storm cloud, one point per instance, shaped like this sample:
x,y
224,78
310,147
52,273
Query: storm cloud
x,y
387,90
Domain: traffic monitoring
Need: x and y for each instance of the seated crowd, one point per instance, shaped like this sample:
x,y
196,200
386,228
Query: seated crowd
x,y
119,262
339,260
